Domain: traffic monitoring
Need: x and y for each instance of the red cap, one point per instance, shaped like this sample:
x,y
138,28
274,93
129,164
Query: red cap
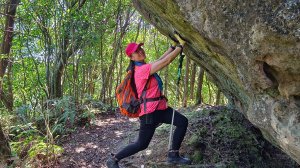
x,y
132,47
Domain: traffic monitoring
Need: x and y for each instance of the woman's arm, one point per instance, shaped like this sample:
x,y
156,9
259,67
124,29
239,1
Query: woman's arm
x,y
166,53
172,48
164,60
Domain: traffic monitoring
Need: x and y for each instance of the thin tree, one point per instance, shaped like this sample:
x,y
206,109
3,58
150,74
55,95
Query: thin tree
x,y
5,61
193,78
199,87
209,89
218,97
166,76
138,29
186,82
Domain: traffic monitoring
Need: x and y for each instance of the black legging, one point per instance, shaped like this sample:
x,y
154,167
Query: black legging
x,y
148,125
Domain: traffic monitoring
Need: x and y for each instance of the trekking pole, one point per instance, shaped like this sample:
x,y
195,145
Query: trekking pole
x,y
177,97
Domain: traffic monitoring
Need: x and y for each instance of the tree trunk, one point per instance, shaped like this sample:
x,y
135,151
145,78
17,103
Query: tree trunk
x,y
10,12
102,68
5,151
193,78
186,83
10,85
93,76
166,81
199,87
56,77
78,90
85,82
209,90
138,29
110,88
156,48
120,69
218,97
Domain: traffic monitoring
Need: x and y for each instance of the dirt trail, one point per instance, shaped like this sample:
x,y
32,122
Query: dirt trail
x,y
89,146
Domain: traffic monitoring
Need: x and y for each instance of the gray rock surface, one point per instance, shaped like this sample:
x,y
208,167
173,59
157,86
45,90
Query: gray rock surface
x,y
251,49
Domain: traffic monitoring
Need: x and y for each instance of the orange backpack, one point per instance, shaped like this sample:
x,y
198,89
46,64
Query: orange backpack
x,y
127,97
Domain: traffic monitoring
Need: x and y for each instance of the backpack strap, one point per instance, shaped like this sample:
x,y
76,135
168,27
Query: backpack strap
x,y
149,120
143,99
143,96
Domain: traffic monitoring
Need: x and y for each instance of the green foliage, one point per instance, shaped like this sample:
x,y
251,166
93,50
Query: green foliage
x,y
65,106
193,140
32,146
26,84
197,157
60,114
44,149
59,128
226,128
24,113
6,117
24,143
87,115
21,131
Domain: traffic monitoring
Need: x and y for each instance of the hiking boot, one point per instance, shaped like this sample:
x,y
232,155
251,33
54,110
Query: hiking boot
x,y
112,162
174,158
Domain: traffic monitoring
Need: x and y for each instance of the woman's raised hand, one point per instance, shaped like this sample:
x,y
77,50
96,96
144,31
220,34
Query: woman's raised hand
x,y
181,41
174,44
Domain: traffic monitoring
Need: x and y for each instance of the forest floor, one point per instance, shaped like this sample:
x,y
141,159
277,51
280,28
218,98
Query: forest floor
x,y
223,142
90,146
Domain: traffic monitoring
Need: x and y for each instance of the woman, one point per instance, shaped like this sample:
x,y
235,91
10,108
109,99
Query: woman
x,y
153,112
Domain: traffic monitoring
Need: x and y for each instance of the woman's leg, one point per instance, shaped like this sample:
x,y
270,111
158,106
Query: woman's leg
x,y
181,123
145,135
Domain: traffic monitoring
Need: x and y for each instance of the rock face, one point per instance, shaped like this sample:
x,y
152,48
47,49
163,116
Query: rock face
x,y
251,49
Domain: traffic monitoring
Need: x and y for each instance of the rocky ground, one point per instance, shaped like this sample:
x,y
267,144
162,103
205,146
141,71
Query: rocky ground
x,y
216,137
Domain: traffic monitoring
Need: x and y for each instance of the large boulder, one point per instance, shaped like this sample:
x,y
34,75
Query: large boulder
x,y
250,49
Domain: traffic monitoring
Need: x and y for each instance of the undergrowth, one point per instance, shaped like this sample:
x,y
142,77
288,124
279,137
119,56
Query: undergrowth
x,y
33,133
